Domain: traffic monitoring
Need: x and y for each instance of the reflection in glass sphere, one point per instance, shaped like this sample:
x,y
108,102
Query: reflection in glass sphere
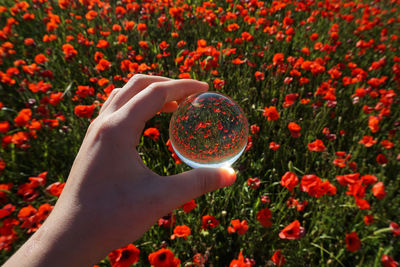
x,y
208,130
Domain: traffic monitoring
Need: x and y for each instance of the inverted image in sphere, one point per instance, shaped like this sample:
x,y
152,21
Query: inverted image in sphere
x,y
208,130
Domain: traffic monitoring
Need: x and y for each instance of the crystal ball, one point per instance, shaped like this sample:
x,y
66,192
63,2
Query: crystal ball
x,y
208,130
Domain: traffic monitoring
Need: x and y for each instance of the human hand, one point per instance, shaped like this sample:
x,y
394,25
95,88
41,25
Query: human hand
x,y
111,198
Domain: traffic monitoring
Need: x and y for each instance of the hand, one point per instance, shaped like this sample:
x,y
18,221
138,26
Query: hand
x,y
111,198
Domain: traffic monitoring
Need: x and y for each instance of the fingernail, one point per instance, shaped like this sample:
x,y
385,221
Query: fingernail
x,y
229,176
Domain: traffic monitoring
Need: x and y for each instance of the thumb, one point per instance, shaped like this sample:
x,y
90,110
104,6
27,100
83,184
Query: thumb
x,y
191,184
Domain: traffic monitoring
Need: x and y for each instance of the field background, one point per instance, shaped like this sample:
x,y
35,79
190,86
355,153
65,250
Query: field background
x,y
331,67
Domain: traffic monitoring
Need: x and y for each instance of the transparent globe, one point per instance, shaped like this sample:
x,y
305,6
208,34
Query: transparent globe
x,y
208,130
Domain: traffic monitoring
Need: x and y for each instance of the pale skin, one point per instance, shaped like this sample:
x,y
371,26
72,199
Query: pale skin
x,y
111,198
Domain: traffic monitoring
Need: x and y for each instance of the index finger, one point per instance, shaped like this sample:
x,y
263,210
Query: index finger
x,y
144,105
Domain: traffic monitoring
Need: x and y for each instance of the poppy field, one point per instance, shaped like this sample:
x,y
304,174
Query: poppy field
x,y
319,82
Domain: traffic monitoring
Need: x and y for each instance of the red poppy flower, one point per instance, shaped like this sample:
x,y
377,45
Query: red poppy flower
x,y
84,111
259,76
373,123
381,159
23,117
84,91
368,219
289,180
254,183
181,231
141,27
189,206
278,258
395,228
387,144
163,258
292,231
369,179
274,146
103,65
379,190
238,226
294,129
388,261
69,51
254,129
167,221
6,210
241,261
317,145
152,133
209,222
271,113
367,141
124,257
55,189
218,83
278,58
290,99
4,126
264,217
353,243
40,59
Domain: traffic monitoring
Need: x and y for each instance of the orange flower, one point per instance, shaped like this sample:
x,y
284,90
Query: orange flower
x,y
271,113
163,257
181,231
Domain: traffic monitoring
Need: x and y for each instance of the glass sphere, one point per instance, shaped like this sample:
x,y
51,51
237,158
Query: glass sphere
x,y
208,130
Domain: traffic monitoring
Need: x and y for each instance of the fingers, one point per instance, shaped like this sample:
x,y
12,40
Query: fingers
x,y
109,100
136,84
144,105
189,185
